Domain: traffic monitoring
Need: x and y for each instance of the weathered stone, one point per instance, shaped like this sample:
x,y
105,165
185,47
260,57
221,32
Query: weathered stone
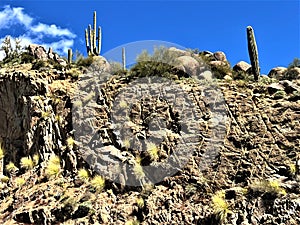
x,y
50,54
32,48
40,53
289,86
190,64
227,77
101,63
62,62
277,72
220,56
274,87
178,52
242,66
218,63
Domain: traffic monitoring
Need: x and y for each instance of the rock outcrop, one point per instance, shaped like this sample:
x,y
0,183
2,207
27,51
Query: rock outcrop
x,y
243,170
39,52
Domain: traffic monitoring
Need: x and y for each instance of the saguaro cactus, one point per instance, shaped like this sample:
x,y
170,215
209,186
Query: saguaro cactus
x,y
253,54
70,55
91,39
124,58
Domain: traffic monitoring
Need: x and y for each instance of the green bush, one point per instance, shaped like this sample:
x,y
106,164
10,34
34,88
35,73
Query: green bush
x,y
290,74
26,57
241,75
84,62
220,71
295,63
38,65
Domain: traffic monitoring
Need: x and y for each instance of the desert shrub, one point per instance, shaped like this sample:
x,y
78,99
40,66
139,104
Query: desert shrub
x,y
241,75
290,74
161,54
295,63
26,57
279,94
116,68
38,64
220,71
153,68
84,62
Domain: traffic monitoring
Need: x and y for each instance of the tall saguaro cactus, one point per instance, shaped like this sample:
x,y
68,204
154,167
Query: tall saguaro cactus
x,y
253,54
70,55
92,40
123,58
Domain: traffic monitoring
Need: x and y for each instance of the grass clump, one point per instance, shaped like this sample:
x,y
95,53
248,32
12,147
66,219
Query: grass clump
x,y
140,202
268,186
20,181
27,163
36,159
279,94
11,168
132,222
70,142
138,169
2,152
83,174
4,179
292,169
98,183
220,206
53,168
153,151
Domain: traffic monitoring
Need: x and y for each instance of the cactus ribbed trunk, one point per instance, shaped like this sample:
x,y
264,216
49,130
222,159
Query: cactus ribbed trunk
x,y
99,39
87,41
91,40
253,53
124,58
94,35
70,56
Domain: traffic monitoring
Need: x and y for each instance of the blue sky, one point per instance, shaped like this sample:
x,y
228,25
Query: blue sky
x,y
206,25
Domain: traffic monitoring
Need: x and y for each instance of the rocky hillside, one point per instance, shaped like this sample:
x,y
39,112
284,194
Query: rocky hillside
x,y
63,133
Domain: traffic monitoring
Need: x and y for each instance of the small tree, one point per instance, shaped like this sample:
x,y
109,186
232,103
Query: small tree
x,y
295,63
6,47
18,47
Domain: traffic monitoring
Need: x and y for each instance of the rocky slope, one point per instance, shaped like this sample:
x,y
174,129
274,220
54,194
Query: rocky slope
x,y
243,170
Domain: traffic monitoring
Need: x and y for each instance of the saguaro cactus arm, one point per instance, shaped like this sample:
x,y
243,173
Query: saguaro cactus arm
x,y
99,39
87,41
253,53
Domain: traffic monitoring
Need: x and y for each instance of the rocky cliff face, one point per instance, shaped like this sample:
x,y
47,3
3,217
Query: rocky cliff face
x,y
252,178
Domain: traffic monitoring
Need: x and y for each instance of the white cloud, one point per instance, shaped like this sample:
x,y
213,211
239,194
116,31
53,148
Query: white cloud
x,y
61,46
35,32
52,30
11,16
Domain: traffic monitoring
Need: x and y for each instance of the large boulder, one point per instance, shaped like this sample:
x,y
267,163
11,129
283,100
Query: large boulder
x,y
99,62
31,48
40,53
190,65
242,66
274,87
220,56
289,86
277,73
179,52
